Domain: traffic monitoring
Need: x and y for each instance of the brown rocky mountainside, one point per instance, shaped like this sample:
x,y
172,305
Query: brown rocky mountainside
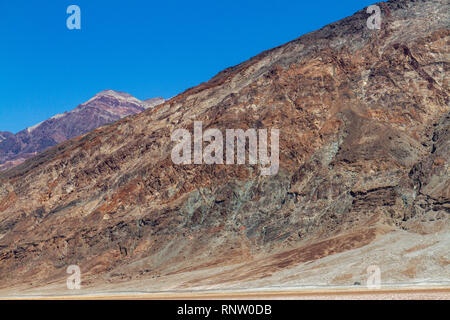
x,y
105,107
363,180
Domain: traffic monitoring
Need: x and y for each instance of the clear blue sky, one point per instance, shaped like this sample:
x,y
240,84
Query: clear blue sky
x,y
146,48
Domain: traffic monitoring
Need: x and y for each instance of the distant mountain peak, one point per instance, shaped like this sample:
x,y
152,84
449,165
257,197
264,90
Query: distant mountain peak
x,y
112,94
105,107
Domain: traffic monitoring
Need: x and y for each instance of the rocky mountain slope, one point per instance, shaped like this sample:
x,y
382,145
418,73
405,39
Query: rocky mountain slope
x,y
105,107
364,177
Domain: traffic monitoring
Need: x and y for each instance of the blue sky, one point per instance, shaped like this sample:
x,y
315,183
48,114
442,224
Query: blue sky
x,y
146,48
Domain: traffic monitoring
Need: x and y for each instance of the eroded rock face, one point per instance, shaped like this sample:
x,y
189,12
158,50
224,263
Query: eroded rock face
x,y
364,151
105,107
